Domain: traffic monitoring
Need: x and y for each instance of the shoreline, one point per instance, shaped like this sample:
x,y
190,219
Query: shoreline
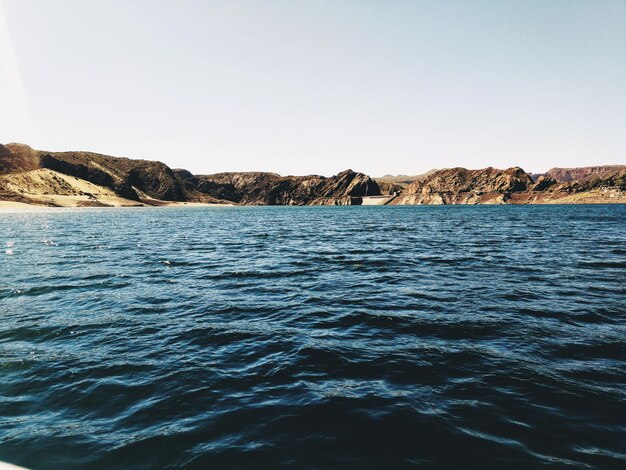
x,y
14,206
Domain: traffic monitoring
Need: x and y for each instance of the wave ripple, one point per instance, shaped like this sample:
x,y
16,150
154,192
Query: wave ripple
x,y
314,337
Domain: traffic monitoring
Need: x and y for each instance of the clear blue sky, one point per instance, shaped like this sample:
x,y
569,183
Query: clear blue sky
x,y
300,87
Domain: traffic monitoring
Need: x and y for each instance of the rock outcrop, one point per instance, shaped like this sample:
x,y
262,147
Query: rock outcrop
x,y
512,186
614,178
544,183
255,188
462,186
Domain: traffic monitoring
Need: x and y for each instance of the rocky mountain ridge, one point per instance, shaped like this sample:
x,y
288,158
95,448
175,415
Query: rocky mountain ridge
x,y
151,182
273,189
510,186
403,179
587,173
92,179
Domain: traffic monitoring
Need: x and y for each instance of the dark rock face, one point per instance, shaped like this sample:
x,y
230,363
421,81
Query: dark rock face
x,y
5,160
17,158
158,181
543,183
353,184
256,188
185,175
79,170
125,190
390,188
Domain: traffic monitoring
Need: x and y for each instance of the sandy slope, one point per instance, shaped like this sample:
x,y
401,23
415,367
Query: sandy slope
x,y
49,187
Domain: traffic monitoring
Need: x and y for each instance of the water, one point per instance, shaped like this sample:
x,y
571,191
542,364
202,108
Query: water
x,y
314,337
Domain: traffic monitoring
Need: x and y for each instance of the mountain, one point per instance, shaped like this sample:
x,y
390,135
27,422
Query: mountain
x,y
132,182
462,186
402,179
510,186
585,173
91,179
273,189
87,178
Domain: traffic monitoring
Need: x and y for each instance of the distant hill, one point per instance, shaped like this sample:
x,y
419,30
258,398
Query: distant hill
x,y
402,179
510,186
585,173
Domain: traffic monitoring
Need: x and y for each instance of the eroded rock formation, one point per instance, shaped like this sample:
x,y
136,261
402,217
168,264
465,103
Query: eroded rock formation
x,y
462,186
271,189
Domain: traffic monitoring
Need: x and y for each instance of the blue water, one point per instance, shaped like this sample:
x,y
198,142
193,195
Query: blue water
x,y
314,337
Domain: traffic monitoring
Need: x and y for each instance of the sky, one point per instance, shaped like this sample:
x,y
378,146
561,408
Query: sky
x,y
316,87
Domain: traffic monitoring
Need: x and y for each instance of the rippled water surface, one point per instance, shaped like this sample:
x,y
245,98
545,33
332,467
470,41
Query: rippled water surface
x,y
314,337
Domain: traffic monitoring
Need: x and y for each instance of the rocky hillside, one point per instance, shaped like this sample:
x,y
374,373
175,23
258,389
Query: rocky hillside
x,y
17,157
461,186
510,186
585,173
128,179
393,184
150,182
273,189
92,179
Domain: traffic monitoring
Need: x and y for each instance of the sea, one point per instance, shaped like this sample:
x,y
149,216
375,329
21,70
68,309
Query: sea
x,y
314,337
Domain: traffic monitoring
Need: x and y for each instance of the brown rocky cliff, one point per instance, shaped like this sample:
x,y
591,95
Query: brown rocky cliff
x,y
544,183
615,178
462,186
585,173
257,188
